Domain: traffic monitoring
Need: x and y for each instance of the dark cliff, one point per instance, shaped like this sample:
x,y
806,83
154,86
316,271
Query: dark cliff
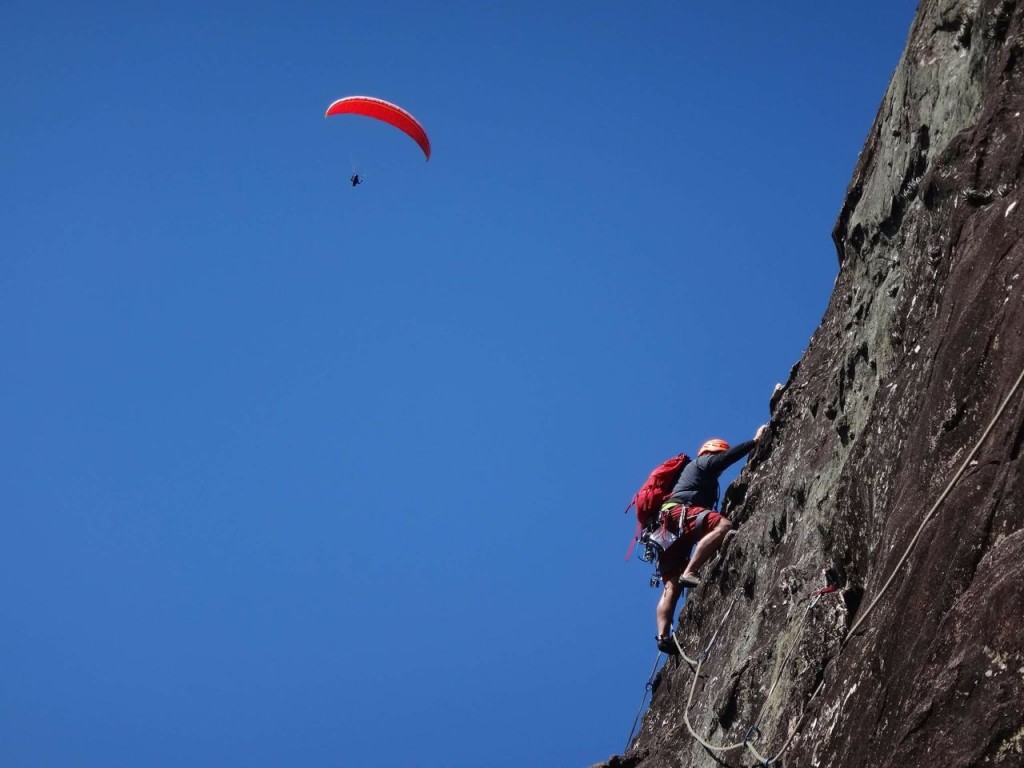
x,y
891,460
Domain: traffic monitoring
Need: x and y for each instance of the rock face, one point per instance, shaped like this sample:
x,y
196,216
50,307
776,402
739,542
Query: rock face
x,y
922,343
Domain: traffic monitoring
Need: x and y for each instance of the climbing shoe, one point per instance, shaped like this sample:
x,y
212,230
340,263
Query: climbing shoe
x,y
690,582
667,645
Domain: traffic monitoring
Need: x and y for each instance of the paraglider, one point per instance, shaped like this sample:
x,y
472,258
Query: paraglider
x,y
356,179
386,112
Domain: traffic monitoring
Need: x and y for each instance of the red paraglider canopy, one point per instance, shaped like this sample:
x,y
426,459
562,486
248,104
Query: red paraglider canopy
x,y
385,111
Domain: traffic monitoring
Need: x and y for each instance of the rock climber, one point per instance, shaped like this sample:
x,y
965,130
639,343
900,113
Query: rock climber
x,y
690,514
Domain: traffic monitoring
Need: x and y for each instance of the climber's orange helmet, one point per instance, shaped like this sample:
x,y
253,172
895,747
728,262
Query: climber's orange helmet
x,y
714,445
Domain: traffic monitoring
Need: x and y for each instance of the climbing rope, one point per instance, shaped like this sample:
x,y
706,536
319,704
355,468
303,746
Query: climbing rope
x,y
753,733
906,554
935,506
749,736
693,686
782,666
647,689
693,664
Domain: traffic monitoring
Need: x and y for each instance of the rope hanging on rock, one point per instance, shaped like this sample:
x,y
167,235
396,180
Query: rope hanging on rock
x,y
931,513
649,688
752,729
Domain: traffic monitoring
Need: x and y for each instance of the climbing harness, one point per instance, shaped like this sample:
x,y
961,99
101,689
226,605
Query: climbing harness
x,y
753,733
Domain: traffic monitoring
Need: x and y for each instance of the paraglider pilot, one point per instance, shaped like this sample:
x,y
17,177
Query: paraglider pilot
x,y
356,180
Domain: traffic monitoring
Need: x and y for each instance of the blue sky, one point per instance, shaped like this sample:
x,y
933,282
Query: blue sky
x,y
300,474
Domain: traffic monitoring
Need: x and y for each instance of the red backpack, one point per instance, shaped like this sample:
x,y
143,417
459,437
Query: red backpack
x,y
655,492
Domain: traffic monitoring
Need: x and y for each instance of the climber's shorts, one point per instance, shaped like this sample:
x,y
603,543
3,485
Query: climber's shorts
x,y
696,524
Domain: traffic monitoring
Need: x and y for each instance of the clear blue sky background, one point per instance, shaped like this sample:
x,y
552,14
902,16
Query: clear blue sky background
x,y
299,474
